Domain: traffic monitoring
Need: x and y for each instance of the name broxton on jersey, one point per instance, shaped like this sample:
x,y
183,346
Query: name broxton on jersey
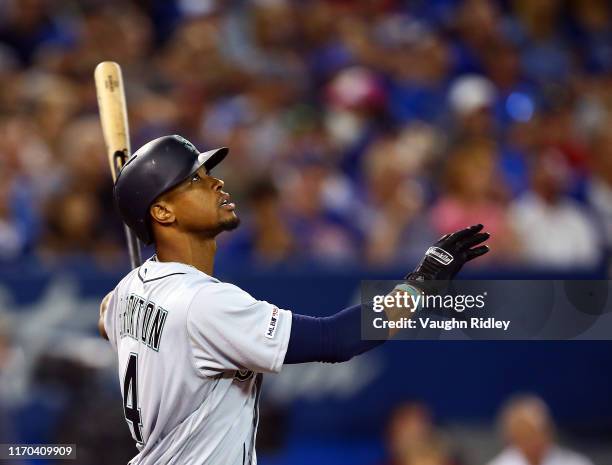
x,y
146,327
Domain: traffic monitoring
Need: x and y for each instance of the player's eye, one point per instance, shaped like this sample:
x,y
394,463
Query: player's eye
x,y
195,177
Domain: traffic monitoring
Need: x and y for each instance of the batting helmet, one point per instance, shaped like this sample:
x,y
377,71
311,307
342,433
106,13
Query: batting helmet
x,y
153,169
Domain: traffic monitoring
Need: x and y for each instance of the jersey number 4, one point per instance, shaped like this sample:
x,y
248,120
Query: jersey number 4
x,y
130,398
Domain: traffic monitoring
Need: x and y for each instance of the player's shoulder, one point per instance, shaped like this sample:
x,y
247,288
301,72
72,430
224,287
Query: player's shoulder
x,y
220,294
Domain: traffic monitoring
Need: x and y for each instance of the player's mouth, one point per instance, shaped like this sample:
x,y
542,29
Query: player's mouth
x,y
226,204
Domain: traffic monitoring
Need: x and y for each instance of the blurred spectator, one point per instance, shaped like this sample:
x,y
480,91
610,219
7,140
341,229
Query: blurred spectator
x,y
554,229
558,131
478,25
599,190
516,97
528,430
516,149
355,102
313,197
28,25
474,193
471,99
419,64
394,219
76,229
547,55
412,438
594,32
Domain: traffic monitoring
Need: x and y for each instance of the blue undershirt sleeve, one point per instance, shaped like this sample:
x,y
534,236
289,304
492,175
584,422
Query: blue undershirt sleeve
x,y
333,339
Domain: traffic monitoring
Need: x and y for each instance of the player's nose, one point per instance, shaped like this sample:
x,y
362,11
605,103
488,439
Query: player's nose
x,y
218,184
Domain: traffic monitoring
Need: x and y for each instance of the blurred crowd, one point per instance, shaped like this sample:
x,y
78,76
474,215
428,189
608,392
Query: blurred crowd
x,y
525,426
360,131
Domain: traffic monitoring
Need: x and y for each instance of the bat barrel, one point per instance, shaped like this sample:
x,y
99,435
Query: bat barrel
x,y
113,117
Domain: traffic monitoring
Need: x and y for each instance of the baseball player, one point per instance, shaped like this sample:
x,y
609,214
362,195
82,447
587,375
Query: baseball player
x,y
192,349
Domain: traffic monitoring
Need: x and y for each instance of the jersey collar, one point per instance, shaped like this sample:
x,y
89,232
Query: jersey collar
x,y
153,270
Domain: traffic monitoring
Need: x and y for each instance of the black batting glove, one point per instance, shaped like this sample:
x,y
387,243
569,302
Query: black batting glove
x,y
447,256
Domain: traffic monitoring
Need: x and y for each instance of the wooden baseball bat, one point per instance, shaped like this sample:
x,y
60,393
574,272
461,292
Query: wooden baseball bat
x,y
113,116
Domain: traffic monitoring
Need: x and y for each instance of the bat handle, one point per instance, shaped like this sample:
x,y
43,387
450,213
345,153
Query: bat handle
x,y
133,247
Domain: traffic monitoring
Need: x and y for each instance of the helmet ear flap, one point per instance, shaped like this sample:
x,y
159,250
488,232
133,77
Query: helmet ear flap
x,y
143,231
141,227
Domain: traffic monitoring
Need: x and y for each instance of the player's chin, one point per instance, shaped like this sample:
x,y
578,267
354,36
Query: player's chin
x,y
230,223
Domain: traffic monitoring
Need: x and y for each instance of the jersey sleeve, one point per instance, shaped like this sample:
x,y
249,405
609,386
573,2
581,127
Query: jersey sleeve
x,y
230,330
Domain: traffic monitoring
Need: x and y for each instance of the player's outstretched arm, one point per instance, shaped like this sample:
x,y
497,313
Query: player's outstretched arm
x,y
337,338
103,307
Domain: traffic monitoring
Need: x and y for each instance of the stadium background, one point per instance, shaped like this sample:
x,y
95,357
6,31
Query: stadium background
x,y
360,132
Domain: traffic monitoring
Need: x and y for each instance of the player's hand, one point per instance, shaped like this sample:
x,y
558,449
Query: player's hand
x,y
447,256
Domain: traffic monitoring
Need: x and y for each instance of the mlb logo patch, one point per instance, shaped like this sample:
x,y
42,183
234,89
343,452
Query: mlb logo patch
x,y
271,330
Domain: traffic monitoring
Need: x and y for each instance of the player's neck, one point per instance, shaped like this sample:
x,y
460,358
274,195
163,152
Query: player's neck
x,y
197,252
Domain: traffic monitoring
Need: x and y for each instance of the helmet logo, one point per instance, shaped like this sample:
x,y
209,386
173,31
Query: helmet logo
x,y
188,145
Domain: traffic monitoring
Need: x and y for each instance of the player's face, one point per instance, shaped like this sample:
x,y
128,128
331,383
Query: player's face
x,y
201,206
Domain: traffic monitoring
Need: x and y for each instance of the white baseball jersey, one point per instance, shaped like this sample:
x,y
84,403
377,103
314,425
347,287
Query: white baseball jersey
x,y
191,352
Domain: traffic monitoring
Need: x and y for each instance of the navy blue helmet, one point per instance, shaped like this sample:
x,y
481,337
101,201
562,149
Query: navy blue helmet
x,y
153,169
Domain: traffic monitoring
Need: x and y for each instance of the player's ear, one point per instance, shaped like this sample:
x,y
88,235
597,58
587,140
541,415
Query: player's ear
x,y
161,212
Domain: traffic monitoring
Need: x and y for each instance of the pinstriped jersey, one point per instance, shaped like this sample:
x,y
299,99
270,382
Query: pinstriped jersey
x,y
191,351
